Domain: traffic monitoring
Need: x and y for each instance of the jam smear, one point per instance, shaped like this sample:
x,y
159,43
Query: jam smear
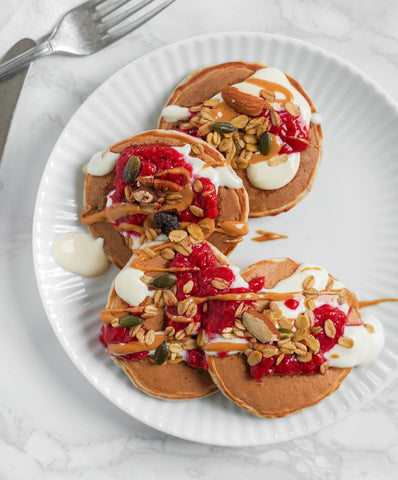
x,y
290,364
292,303
154,160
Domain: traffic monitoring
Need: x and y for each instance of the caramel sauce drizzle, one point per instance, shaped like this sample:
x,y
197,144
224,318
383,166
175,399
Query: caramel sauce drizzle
x,y
223,112
134,347
119,210
267,236
275,149
224,347
376,302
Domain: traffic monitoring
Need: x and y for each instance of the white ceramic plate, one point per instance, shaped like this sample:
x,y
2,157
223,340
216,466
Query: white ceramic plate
x,y
348,223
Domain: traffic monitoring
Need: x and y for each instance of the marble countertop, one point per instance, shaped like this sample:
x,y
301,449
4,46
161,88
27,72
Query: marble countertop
x,y
53,423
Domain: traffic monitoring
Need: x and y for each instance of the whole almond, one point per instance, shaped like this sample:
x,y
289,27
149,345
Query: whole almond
x,y
259,326
242,102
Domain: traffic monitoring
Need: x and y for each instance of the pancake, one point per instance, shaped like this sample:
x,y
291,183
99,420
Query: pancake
x,y
126,190
278,178
152,331
278,394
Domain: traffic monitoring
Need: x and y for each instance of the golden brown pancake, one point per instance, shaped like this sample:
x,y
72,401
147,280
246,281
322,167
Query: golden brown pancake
x,y
165,321
200,86
276,395
224,231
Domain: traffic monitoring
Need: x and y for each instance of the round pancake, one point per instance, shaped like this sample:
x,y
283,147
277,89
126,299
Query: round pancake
x,y
276,395
202,85
232,204
168,381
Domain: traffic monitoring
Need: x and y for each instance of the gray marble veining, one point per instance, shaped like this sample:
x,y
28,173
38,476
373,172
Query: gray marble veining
x,y
53,424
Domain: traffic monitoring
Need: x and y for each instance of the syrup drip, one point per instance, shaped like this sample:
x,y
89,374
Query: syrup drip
x,y
267,236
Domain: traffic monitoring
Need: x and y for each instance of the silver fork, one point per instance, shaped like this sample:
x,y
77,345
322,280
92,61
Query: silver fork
x,y
85,30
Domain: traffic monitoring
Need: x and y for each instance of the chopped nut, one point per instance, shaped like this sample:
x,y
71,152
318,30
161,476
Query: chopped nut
x,y
302,322
240,121
201,338
369,327
167,253
195,231
179,335
197,211
308,282
197,186
305,358
220,283
150,337
292,109
330,329
346,342
275,118
197,148
177,235
259,326
324,367
169,298
187,288
277,160
254,358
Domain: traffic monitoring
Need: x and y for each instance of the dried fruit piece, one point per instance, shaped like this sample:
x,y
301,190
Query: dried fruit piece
x,y
161,353
166,221
130,321
166,280
131,169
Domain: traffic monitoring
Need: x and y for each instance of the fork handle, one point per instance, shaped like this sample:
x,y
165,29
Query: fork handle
x,y
18,63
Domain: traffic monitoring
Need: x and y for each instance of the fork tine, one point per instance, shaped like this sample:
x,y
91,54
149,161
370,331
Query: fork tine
x,y
107,9
106,25
137,23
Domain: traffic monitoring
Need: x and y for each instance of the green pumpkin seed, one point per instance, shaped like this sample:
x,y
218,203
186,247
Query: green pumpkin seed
x,y
130,321
223,127
265,144
161,353
131,169
165,280
285,333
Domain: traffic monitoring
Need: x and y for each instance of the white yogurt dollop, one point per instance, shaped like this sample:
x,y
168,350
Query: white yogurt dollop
x,y
130,287
174,113
80,253
219,176
102,163
366,348
263,176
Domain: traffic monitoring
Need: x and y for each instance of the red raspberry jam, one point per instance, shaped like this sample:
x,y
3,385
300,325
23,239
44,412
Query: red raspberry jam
x,y
155,159
109,335
256,284
219,314
292,131
197,358
290,365
292,303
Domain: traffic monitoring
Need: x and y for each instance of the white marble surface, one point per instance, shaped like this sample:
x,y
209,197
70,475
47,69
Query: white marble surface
x,y
53,424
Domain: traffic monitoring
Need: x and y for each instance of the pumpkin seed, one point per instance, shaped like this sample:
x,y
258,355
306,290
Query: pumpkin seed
x,y
285,333
265,144
130,321
223,127
131,169
161,353
165,280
